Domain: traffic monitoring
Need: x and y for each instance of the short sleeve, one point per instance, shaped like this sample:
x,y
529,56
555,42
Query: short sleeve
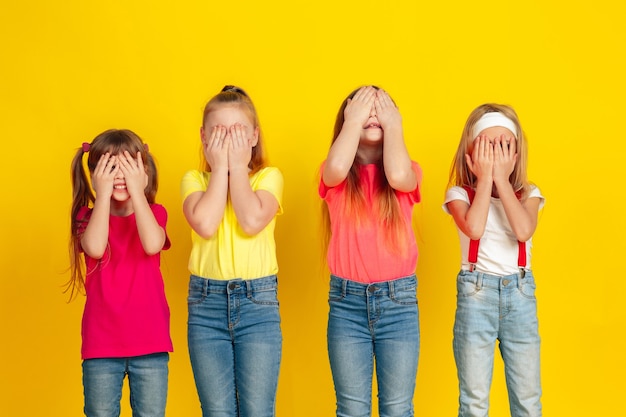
x,y
82,218
193,181
536,193
271,180
416,195
160,214
455,193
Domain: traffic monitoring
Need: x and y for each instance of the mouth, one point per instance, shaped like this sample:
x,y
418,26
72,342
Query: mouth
x,y
119,187
372,125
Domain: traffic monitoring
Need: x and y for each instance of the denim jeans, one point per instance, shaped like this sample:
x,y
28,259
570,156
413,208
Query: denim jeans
x,y
147,379
491,308
235,345
375,324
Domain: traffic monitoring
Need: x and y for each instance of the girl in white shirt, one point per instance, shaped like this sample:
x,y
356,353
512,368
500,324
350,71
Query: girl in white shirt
x,y
495,210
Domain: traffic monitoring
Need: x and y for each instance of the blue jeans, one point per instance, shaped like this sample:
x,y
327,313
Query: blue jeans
x,y
235,345
491,308
147,379
373,324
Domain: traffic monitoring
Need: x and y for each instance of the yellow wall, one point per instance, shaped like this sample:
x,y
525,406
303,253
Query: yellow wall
x,y
70,69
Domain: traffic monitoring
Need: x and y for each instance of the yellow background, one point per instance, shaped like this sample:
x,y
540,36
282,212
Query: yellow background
x,y
70,69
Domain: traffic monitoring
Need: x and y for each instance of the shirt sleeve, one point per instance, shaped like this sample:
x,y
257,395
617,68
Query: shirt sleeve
x,y
160,214
193,181
536,193
455,193
416,195
271,180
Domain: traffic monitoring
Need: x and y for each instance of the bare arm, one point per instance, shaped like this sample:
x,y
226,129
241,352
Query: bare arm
x,y
343,151
522,216
151,234
96,235
254,209
472,219
204,211
396,159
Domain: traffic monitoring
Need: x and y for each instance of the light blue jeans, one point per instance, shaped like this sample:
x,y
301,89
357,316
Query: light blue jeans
x,y
147,379
490,309
235,345
375,324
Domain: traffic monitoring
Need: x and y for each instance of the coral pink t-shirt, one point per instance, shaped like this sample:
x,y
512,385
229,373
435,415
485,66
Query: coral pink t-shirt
x,y
126,313
358,251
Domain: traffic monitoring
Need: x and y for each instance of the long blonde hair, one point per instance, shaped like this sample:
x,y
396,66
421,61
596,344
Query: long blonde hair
x,y
355,206
460,174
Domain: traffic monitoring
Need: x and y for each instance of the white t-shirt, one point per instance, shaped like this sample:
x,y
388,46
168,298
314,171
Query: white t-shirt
x,y
498,249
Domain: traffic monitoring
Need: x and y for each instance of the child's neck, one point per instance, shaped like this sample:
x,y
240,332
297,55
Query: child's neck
x,y
121,208
369,154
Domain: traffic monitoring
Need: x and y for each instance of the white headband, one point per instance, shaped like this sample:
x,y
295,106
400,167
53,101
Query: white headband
x,y
493,119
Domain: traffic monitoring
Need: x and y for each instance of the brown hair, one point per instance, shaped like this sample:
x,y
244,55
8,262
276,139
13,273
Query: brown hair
x,y
115,142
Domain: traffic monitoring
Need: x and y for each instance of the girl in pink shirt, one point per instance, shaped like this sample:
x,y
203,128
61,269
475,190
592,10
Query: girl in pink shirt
x,y
120,232
370,185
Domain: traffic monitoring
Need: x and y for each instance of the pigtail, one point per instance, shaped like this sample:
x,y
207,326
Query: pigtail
x,y
82,196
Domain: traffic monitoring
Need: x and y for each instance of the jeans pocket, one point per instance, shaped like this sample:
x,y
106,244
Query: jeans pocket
x,y
335,294
196,293
527,288
404,296
267,296
466,284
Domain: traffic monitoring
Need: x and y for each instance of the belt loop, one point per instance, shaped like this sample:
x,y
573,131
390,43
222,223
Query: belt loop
x,y
248,288
205,287
344,287
479,280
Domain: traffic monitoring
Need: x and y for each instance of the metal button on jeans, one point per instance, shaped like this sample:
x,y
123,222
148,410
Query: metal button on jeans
x,y
506,282
232,286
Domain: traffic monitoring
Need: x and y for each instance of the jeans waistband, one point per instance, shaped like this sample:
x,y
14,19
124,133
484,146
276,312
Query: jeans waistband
x,y
382,287
238,285
495,281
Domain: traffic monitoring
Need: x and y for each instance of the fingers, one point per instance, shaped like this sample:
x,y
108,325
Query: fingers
x,y
217,137
107,166
383,100
360,106
365,94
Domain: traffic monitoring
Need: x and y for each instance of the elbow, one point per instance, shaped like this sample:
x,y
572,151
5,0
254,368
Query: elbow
x,y
524,235
250,229
94,253
252,226
152,251
404,181
474,233
205,231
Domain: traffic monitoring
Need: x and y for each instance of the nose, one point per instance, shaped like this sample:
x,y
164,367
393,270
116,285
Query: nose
x,y
373,112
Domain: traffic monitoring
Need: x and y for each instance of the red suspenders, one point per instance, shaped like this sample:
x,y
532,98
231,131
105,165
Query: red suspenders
x,y
472,256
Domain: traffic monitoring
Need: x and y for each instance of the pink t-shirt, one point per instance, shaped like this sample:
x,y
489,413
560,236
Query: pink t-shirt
x,y
358,252
126,313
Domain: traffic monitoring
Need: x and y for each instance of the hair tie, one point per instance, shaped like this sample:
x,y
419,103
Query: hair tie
x,y
86,146
493,119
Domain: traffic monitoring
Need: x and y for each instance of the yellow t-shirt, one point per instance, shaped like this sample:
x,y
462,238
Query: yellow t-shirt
x,y
230,253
